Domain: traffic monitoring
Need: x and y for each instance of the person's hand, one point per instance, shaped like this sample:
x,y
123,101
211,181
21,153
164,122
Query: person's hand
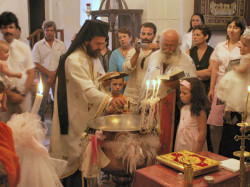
x,y
173,84
118,101
112,109
152,47
15,98
211,95
3,101
19,75
106,83
52,77
136,46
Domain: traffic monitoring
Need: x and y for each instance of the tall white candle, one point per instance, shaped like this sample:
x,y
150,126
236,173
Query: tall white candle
x,y
147,83
38,100
159,82
154,84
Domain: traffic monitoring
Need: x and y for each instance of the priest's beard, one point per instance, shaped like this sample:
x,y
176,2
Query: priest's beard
x,y
92,53
172,57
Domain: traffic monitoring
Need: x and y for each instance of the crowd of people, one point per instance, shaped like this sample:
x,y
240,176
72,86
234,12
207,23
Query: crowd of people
x,y
209,99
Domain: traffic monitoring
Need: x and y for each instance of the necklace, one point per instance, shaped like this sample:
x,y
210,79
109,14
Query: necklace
x,y
124,52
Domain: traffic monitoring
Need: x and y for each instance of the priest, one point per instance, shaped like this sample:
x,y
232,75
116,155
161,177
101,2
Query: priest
x,y
167,61
78,97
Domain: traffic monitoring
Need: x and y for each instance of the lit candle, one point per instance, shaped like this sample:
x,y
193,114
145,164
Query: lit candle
x,y
147,83
245,113
159,82
38,100
154,84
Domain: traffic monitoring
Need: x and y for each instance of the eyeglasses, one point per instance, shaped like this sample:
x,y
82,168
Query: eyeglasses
x,y
169,46
142,62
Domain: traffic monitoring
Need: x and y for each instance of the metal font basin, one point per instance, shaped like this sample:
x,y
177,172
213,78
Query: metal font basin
x,y
116,123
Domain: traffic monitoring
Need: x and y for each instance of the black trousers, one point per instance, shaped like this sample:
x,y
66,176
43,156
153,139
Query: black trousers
x,y
228,144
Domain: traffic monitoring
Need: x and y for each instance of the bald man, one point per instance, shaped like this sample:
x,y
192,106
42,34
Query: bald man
x,y
164,62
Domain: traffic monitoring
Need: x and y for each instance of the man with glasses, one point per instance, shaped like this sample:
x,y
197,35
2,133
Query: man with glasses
x,y
166,61
137,59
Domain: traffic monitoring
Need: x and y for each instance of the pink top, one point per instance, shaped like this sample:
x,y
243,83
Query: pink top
x,y
188,131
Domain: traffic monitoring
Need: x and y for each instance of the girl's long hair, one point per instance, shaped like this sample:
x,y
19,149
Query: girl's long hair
x,y
201,17
199,100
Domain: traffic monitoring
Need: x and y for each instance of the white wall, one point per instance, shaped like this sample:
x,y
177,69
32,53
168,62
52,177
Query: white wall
x,y
170,14
20,9
66,14
163,13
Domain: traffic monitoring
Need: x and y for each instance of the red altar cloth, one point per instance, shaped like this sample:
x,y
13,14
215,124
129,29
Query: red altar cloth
x,y
161,175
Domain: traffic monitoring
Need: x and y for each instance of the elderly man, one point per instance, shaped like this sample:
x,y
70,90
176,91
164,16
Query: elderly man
x,y
20,60
166,61
136,62
78,97
46,55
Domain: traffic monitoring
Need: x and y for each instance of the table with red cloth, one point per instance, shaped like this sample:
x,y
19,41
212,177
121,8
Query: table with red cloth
x,y
161,175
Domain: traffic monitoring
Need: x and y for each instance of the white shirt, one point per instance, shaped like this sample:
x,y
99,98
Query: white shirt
x,y
20,61
48,56
187,42
136,74
222,55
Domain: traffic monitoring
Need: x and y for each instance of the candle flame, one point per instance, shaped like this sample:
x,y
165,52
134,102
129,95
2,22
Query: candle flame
x,y
249,88
154,82
159,81
147,82
40,87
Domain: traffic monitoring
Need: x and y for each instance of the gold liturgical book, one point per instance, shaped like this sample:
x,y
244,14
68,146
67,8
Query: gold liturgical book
x,y
200,164
178,74
112,75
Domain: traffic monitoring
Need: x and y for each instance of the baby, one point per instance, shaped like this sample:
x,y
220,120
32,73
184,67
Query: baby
x,y
4,70
233,87
4,54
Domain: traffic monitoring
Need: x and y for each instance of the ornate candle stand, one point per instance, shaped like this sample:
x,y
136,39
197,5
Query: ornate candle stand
x,y
149,114
150,109
242,153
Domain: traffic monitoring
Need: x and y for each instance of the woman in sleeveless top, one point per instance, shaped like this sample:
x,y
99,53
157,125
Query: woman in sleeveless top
x,y
201,55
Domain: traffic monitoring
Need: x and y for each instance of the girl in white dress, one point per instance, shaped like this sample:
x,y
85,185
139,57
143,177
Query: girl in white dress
x,y
192,128
233,87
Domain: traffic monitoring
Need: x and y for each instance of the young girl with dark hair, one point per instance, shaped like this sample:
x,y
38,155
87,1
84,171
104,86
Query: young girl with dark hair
x,y
192,129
